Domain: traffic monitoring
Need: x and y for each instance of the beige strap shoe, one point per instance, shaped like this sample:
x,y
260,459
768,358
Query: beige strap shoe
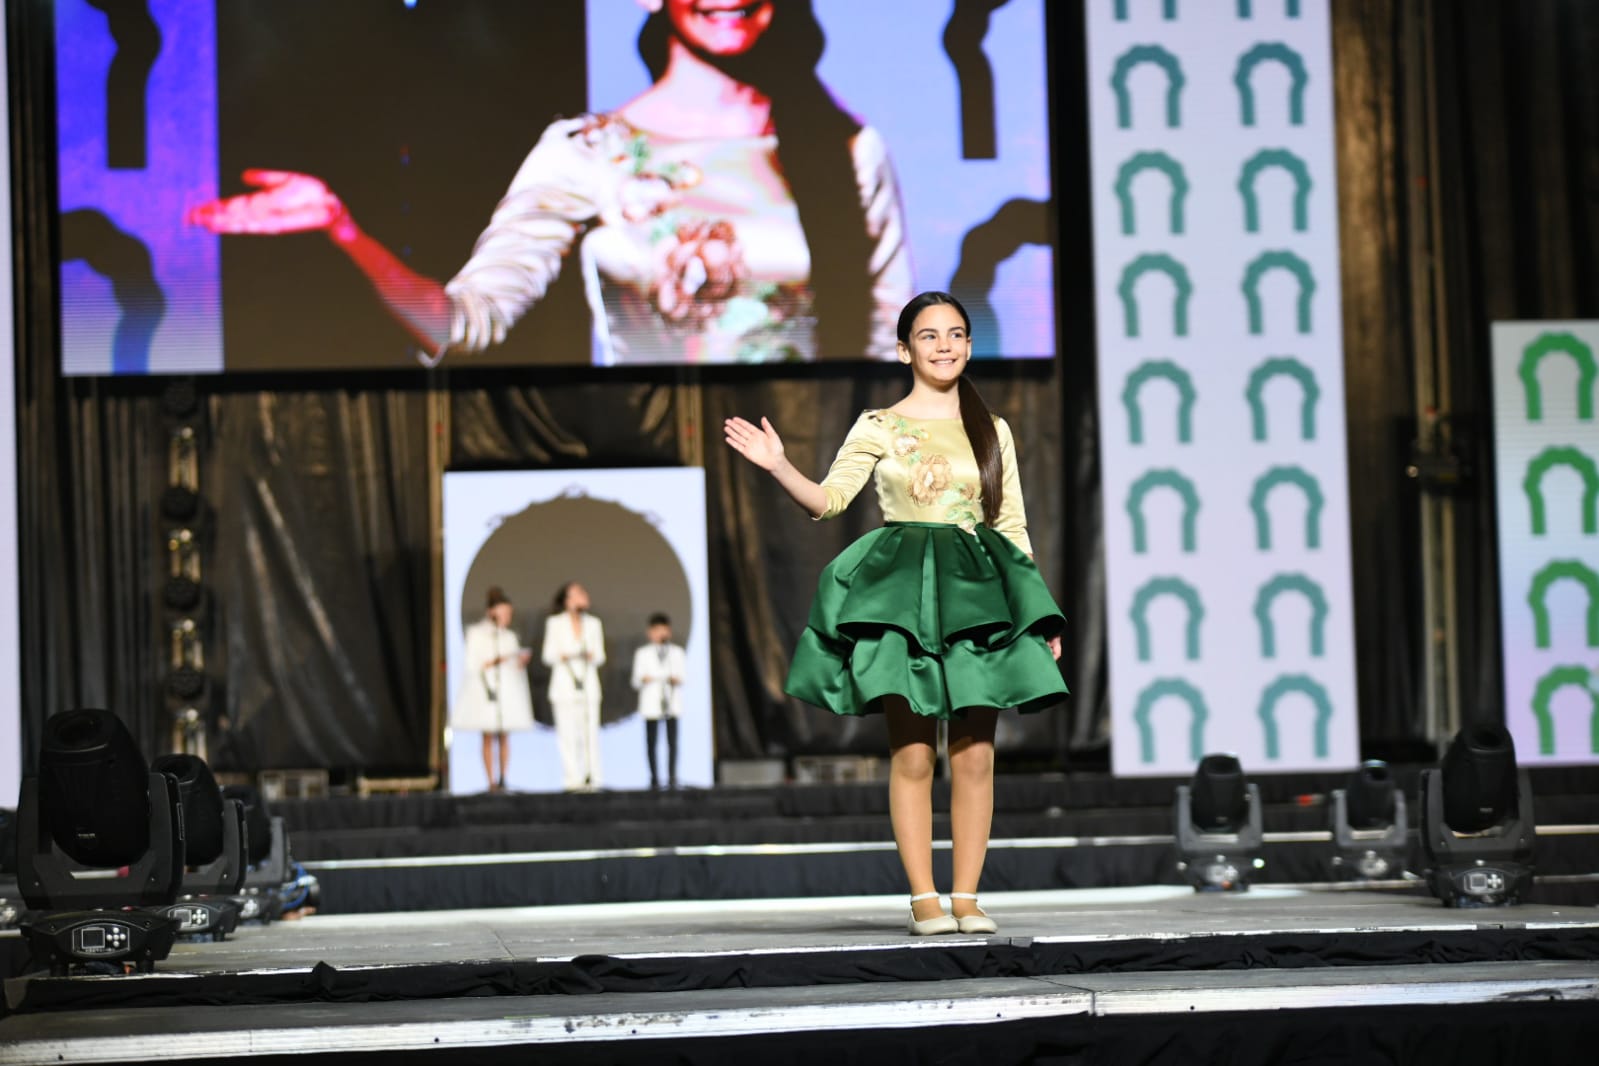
x,y
978,923
931,926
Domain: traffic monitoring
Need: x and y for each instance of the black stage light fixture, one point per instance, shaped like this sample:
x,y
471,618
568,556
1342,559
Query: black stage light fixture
x,y
1218,827
261,897
180,501
215,850
10,900
183,591
97,832
1477,821
1369,825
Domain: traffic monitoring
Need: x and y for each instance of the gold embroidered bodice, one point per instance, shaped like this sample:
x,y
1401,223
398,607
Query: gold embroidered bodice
x,y
925,471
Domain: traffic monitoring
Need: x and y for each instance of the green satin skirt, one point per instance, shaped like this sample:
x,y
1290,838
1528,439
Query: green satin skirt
x,y
948,619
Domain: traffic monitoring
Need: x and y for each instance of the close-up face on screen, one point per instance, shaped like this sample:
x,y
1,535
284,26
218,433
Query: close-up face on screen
x,y
256,185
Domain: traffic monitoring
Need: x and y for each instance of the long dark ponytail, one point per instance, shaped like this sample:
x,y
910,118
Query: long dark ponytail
x,y
975,417
814,138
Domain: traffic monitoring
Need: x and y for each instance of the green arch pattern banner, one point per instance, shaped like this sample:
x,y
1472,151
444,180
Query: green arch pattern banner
x,y
1546,465
1220,348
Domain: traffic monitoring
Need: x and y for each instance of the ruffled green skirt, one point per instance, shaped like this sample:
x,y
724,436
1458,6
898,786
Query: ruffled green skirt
x,y
948,619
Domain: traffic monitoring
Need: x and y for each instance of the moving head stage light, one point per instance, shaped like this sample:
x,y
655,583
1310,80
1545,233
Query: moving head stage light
x,y
10,900
215,850
97,831
1369,825
1476,821
260,898
1218,827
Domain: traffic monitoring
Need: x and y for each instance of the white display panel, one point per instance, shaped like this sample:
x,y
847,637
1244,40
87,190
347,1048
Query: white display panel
x,y
10,608
1221,390
1546,465
602,528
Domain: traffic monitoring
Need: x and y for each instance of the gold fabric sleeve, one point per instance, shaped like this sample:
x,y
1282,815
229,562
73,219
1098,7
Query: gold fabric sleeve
x,y
1012,520
857,458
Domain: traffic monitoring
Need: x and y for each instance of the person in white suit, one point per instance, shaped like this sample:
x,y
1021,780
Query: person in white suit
x,y
658,669
574,650
495,699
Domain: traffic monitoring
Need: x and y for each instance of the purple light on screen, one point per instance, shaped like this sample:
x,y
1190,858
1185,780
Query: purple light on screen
x,y
147,203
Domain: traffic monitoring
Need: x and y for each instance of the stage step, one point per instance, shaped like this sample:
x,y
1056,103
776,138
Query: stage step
x,y
973,1020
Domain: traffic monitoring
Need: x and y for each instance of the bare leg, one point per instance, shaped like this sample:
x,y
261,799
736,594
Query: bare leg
x,y
913,746
488,761
505,756
971,802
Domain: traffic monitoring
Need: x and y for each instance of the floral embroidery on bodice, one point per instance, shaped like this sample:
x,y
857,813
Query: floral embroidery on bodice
x,y
924,471
931,480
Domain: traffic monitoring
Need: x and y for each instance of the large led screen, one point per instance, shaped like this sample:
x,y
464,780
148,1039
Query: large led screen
x,y
10,595
261,185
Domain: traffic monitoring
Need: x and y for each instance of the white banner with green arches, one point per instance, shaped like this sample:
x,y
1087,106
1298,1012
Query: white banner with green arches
x,y
1221,390
1546,463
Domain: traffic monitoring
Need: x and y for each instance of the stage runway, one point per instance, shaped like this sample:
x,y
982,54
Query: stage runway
x,y
612,976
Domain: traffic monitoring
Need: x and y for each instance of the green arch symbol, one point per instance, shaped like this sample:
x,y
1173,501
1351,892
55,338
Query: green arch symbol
x,y
1533,484
1538,595
1543,695
1151,161
1157,690
1296,72
1168,7
1287,475
1268,711
1142,375
1587,372
1172,269
1147,53
1167,586
1245,9
1255,394
1271,261
1170,479
1275,157
1318,612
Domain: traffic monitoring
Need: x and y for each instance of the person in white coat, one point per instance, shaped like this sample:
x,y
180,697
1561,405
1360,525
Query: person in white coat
x,y
495,699
658,669
574,650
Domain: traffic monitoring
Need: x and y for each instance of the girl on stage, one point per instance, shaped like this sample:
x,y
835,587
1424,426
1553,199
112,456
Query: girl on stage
x,y
495,699
574,650
940,615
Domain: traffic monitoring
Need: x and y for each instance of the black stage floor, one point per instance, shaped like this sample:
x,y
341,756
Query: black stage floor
x,y
1098,970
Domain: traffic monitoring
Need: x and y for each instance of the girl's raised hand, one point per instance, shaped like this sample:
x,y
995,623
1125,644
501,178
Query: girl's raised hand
x,y
286,202
760,445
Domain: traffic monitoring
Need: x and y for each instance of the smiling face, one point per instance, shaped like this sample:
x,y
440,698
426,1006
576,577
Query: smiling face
x,y
720,27
940,346
577,597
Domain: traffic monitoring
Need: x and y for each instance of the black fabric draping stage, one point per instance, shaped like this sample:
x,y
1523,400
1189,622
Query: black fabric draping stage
x,y
719,981
1248,944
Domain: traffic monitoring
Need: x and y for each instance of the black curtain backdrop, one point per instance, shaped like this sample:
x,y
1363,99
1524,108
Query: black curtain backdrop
x,y
319,541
